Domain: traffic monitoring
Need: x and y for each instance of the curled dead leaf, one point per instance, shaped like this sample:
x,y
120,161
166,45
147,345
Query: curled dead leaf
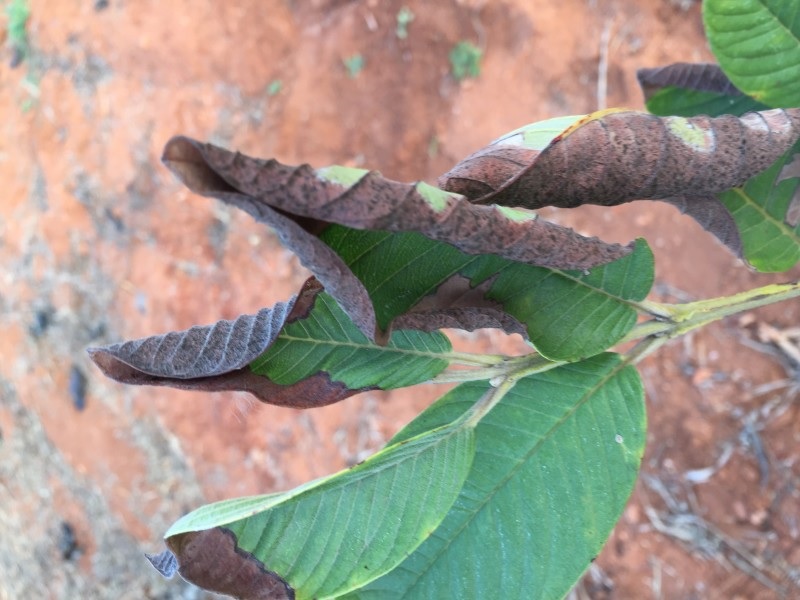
x,y
365,200
613,157
701,77
216,357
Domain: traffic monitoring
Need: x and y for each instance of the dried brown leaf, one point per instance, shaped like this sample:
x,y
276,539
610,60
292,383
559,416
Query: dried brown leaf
x,y
616,157
613,157
212,560
369,201
216,357
701,77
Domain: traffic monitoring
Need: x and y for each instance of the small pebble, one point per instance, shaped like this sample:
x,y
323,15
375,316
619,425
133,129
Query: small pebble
x,y
42,319
67,542
77,387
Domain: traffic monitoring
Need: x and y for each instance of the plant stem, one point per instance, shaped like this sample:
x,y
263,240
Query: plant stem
x,y
671,321
644,348
464,375
488,401
475,360
655,309
704,311
693,315
499,388
504,367
717,308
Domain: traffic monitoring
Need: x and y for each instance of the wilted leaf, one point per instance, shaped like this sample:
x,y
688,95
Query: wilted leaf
x,y
700,77
422,284
296,354
618,156
612,157
555,463
687,90
328,342
212,560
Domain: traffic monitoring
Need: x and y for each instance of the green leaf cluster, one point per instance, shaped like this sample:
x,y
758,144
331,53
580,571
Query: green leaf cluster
x,y
509,485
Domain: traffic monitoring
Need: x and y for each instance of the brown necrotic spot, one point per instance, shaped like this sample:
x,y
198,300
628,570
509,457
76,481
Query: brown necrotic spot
x,y
212,560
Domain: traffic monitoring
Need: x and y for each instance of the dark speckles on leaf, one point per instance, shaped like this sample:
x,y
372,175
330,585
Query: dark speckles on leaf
x,y
617,157
216,357
670,159
361,200
605,158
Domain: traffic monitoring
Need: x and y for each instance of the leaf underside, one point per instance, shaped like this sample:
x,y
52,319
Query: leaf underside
x,y
392,279
358,233
303,204
555,463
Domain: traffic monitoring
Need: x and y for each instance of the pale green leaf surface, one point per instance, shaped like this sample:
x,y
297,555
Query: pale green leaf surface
x,y
757,44
556,461
328,341
538,135
337,533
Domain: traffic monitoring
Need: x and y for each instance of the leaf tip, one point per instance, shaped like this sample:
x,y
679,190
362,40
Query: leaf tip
x,y
186,158
164,562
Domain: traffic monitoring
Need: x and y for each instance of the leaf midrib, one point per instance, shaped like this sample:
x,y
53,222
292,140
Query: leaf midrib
x,y
363,346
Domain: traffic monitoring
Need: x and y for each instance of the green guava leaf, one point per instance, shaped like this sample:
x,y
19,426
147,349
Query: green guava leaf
x,y
767,212
416,283
766,209
396,278
681,102
331,535
555,463
303,353
328,342
757,44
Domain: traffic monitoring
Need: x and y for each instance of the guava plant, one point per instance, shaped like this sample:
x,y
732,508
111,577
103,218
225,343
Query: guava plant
x,y
507,486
